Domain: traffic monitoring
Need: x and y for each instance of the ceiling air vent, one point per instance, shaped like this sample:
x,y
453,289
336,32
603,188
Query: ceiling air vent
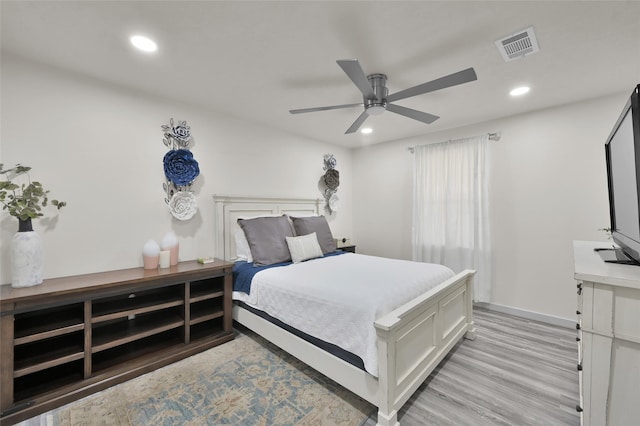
x,y
518,44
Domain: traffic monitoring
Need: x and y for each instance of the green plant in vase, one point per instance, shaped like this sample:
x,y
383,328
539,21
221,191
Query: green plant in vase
x,y
25,201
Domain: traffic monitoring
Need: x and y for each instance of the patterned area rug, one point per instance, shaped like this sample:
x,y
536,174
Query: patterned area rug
x,y
246,381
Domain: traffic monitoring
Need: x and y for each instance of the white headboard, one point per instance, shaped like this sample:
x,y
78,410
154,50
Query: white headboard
x,y
229,209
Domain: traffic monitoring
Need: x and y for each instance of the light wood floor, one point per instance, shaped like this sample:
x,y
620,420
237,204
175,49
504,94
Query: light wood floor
x,y
516,372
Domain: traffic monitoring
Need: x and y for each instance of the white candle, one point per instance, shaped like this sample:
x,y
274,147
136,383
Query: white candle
x,y
165,259
170,242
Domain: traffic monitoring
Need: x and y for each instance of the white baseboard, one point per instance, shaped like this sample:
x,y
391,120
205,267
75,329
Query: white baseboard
x,y
535,316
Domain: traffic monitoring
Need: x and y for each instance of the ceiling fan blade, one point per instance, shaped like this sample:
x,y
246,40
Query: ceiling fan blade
x,y
412,113
326,108
353,69
454,79
356,124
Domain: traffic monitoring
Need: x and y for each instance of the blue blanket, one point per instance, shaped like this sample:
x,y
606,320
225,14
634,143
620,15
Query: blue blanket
x,y
243,272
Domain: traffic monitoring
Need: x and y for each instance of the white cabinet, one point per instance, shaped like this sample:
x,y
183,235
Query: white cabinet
x,y
608,338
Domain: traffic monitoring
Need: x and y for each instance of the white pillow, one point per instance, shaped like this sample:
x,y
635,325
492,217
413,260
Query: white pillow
x,y
243,252
318,224
304,247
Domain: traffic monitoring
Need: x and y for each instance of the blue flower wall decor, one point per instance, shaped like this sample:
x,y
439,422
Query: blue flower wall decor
x,y
180,169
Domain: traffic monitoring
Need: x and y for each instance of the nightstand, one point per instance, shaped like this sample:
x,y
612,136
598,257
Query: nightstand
x,y
351,249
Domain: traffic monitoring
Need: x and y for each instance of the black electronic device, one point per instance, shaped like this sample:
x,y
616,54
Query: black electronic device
x,y
623,173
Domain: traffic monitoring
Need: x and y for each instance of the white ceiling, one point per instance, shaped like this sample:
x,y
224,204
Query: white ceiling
x,y
257,60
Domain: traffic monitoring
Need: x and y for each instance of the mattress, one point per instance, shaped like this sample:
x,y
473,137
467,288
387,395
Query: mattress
x,y
337,299
334,350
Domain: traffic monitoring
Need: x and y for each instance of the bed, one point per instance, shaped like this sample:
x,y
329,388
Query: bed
x,y
410,339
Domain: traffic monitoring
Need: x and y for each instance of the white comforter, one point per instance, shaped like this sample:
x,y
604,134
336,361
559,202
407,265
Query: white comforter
x,y
338,298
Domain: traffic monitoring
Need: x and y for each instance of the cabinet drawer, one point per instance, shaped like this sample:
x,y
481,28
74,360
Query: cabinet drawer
x,y
626,318
600,319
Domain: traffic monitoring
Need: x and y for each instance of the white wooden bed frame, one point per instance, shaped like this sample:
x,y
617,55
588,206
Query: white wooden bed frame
x,y
412,339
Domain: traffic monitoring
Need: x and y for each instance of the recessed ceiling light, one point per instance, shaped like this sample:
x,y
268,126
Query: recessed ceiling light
x,y
366,130
144,43
518,91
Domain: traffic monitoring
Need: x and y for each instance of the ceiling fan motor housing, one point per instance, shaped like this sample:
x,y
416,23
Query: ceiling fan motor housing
x,y
377,105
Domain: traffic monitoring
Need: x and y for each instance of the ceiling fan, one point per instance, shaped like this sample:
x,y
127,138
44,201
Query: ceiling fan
x,y
375,97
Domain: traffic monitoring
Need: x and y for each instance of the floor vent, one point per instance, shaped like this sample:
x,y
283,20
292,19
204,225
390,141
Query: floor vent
x,y
518,45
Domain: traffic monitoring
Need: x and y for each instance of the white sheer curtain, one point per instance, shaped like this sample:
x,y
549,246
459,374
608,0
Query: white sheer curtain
x,y
451,210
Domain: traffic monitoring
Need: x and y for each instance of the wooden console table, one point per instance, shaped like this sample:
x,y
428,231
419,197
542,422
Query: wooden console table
x,y
73,336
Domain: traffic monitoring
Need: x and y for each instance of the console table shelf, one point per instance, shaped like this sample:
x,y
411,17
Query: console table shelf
x,y
39,358
37,332
73,336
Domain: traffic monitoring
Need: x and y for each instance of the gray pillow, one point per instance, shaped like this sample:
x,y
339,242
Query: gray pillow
x,y
319,225
267,239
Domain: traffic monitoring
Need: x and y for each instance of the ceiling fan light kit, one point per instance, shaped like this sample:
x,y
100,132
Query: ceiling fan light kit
x,y
376,99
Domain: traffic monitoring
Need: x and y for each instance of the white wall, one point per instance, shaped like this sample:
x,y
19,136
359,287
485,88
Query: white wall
x,y
548,188
99,147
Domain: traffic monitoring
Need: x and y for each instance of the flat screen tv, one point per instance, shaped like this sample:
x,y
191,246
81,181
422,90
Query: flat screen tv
x,y
623,173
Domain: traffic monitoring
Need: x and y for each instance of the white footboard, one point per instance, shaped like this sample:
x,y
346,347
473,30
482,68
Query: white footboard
x,y
414,338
